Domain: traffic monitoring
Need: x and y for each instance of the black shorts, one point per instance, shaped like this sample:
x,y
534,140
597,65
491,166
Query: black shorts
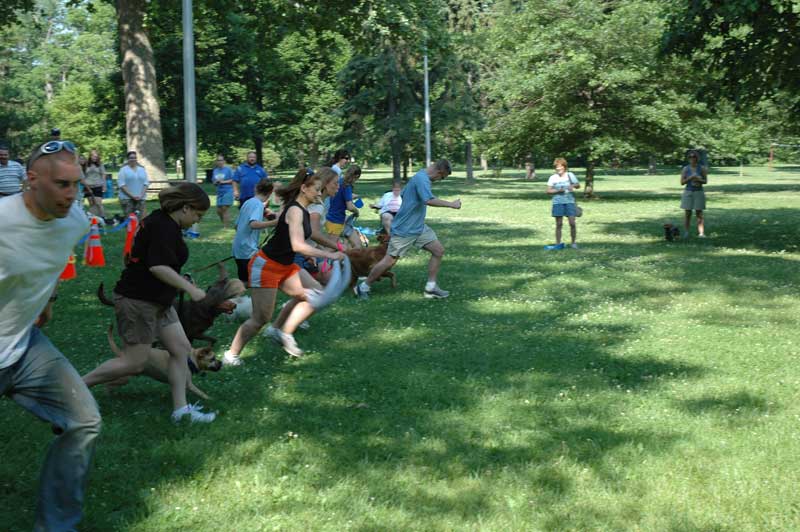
x,y
96,191
241,270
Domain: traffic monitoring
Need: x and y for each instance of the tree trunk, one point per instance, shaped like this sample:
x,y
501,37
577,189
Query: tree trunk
x,y
405,168
314,153
258,142
530,168
142,110
484,163
651,166
588,188
468,160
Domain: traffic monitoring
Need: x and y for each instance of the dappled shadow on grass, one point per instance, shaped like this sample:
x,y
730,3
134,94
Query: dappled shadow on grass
x,y
399,383
738,408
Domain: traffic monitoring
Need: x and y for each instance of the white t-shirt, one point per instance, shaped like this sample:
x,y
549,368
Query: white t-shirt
x,y
134,180
32,255
562,183
320,209
390,203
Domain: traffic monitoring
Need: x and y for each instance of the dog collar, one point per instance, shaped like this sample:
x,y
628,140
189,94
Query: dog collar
x,y
192,366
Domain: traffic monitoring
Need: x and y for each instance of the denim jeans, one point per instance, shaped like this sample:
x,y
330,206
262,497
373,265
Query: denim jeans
x,y
45,383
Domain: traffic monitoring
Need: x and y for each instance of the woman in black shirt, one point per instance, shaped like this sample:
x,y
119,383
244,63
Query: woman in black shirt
x,y
273,267
144,294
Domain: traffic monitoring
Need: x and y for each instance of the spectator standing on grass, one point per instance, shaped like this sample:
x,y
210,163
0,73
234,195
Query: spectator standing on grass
x,y
43,224
12,174
144,294
95,178
560,185
222,177
132,183
246,177
693,177
409,229
338,161
251,221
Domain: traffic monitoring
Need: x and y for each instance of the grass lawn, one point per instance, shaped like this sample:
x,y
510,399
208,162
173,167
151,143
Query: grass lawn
x,y
633,384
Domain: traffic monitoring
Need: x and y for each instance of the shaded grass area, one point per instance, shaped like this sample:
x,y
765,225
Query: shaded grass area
x,y
633,384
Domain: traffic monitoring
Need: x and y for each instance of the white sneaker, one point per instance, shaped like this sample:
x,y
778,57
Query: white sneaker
x,y
229,359
290,345
574,245
195,413
272,333
362,290
436,293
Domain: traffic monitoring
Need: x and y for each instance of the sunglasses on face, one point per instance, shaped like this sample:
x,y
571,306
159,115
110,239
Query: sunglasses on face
x,y
49,148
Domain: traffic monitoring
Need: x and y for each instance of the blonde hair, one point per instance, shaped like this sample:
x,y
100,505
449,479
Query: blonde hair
x,y
562,162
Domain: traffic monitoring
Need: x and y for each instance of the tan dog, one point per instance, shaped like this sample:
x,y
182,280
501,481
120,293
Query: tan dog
x,y
363,259
202,358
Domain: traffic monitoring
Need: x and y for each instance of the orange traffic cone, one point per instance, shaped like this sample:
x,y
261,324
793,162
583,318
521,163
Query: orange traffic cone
x,y
93,253
133,226
69,270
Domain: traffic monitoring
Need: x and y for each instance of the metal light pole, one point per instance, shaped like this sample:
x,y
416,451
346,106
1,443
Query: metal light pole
x,y
427,112
189,106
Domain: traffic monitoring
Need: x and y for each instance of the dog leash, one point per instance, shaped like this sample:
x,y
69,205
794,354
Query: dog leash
x,y
206,267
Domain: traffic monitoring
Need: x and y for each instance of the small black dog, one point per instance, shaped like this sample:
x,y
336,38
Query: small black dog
x,y
671,232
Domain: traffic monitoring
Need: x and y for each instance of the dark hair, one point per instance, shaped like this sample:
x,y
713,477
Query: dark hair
x,y
4,146
443,166
289,193
339,154
265,186
175,197
353,172
128,153
693,153
89,158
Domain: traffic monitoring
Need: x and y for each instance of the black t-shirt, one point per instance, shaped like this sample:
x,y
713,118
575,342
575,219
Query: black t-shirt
x,y
159,242
279,247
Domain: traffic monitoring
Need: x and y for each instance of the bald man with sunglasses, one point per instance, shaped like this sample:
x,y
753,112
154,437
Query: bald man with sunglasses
x,y
41,227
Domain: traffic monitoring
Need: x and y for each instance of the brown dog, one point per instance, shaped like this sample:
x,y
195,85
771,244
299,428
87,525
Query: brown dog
x,y
202,359
198,316
362,260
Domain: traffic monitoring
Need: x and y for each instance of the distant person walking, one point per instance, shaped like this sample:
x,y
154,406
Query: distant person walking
x,y
560,185
12,174
222,177
43,224
95,178
246,177
132,183
409,229
693,177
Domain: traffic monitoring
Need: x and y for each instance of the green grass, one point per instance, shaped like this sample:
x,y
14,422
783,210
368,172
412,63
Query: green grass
x,y
634,384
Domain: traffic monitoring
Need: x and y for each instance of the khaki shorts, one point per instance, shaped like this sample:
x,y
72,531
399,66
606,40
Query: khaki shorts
x,y
138,321
399,245
129,205
693,200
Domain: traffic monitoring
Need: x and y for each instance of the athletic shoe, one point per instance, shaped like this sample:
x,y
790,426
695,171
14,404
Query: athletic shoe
x,y
229,359
305,325
436,293
574,245
195,413
362,291
273,333
290,345
701,236
552,247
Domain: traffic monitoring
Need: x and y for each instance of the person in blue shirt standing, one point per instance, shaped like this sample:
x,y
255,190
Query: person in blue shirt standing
x,y
409,229
222,177
246,177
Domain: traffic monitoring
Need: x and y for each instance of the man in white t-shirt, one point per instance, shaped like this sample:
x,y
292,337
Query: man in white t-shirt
x,y
42,226
132,183
388,206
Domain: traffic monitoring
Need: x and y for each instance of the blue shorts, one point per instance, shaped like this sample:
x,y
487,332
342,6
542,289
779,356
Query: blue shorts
x,y
564,209
224,198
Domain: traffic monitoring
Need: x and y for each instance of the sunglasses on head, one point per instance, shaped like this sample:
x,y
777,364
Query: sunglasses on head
x,y
49,148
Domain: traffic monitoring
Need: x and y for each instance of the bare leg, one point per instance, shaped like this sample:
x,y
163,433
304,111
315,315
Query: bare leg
x,y
687,220
132,362
573,230
263,307
436,249
384,264
300,310
701,223
386,221
559,224
174,339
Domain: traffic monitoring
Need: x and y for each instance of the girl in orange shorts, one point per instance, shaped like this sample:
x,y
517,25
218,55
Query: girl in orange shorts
x,y
273,268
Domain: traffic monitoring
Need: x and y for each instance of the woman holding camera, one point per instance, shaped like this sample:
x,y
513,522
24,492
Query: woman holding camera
x,y
693,177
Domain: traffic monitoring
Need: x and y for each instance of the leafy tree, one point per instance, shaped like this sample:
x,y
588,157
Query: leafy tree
x,y
750,44
591,91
